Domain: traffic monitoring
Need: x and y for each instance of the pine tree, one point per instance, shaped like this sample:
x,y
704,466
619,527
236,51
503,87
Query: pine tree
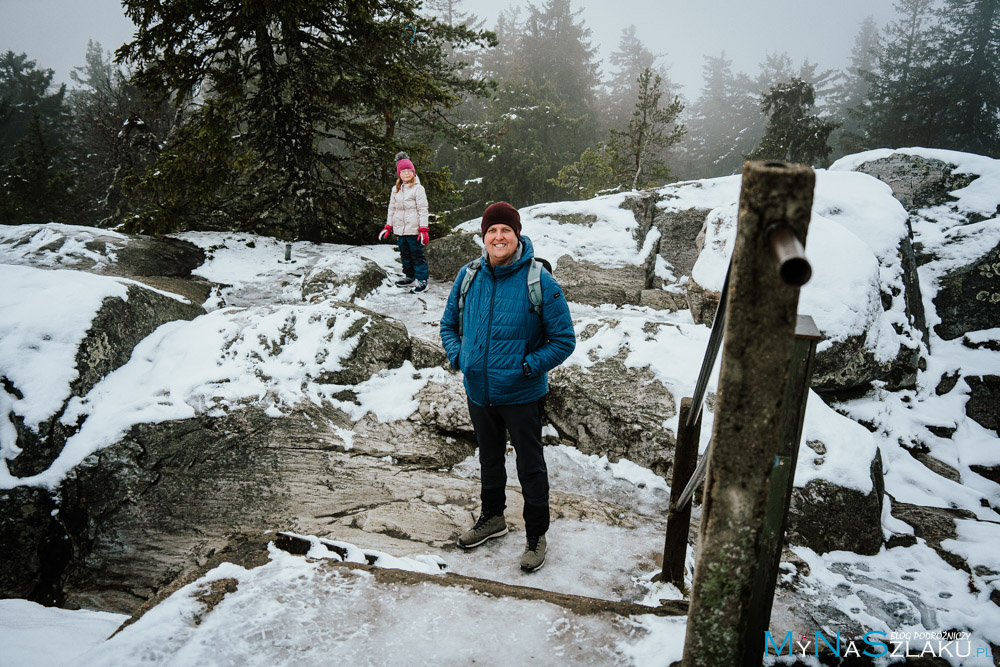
x,y
851,91
629,62
968,73
591,175
823,83
634,157
116,135
651,131
792,133
26,92
455,158
36,183
555,49
555,52
447,11
497,63
542,115
776,68
903,108
724,121
292,109
477,116
532,137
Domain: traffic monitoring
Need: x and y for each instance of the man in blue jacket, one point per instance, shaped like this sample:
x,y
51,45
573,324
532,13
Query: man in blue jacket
x,y
505,347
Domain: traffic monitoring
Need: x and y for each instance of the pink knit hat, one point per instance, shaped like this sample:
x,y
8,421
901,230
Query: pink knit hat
x,y
404,164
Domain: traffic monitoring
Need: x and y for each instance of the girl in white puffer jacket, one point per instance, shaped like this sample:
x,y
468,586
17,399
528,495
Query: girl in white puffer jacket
x,y
407,219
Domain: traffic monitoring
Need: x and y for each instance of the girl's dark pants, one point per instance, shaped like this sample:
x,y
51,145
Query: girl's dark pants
x,y
412,255
524,424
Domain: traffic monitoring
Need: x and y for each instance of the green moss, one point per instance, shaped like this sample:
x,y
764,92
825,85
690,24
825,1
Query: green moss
x,y
723,584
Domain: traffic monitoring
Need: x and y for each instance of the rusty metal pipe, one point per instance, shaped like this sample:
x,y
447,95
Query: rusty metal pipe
x,y
789,257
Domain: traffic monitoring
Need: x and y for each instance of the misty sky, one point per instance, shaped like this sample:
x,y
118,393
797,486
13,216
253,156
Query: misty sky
x,y
55,32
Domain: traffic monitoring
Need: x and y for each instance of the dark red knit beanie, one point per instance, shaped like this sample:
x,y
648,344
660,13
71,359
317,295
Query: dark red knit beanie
x,y
501,213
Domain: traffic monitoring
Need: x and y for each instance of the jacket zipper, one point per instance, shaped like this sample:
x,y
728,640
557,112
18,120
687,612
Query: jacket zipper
x,y
402,206
489,338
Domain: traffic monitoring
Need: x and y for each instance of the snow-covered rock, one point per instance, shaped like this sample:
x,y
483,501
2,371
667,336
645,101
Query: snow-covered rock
x,y
63,332
284,407
857,295
342,278
954,207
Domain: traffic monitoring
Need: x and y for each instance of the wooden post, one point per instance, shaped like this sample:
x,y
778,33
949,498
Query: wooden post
x,y
779,494
760,327
679,521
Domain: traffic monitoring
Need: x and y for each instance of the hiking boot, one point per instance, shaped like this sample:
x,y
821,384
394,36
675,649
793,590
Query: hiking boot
x,y
406,282
421,286
533,557
486,528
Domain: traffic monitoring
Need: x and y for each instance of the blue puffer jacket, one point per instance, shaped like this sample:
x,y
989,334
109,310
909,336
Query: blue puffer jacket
x,y
501,332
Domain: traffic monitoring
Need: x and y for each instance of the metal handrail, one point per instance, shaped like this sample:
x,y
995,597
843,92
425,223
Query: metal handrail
x,y
794,269
711,352
698,400
697,477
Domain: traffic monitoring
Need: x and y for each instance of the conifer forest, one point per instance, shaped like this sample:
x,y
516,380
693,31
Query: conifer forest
x,y
282,117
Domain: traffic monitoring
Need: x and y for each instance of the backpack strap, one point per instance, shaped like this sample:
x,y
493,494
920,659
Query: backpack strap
x,y
471,269
535,286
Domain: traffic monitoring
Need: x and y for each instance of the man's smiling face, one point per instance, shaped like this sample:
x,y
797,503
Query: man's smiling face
x,y
501,243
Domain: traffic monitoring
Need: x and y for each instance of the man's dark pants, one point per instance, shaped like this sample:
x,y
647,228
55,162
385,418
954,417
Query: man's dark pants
x,y
524,423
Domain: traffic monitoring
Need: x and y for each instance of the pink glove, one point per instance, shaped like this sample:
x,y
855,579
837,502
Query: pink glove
x,y
424,235
384,234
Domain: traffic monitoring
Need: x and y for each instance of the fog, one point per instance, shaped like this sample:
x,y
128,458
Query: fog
x,y
683,32
55,32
